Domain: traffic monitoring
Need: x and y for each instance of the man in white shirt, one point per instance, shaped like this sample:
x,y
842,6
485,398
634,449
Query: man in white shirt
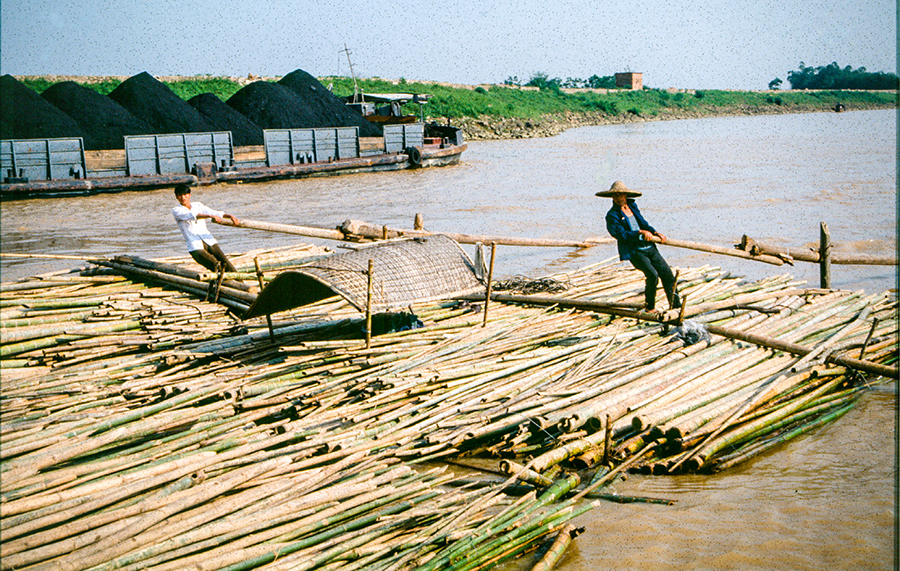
x,y
201,244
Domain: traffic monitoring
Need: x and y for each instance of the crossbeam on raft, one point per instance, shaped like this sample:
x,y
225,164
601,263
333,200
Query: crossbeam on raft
x,y
766,258
811,255
671,315
310,231
801,350
374,231
354,230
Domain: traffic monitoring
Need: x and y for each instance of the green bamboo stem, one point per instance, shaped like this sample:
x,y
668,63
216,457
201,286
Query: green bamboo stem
x,y
742,456
757,427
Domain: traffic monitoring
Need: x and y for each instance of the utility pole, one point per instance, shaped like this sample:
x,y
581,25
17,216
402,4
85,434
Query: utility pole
x,y
356,94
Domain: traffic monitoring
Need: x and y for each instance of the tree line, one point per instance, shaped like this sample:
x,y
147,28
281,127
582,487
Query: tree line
x,y
829,77
833,76
543,81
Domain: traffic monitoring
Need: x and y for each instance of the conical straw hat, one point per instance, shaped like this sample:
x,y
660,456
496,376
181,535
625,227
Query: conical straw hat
x,y
617,188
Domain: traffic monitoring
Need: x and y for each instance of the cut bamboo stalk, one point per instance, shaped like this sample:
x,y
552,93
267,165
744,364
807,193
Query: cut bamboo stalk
x,y
824,256
812,255
774,260
490,283
374,231
796,349
743,456
557,549
309,231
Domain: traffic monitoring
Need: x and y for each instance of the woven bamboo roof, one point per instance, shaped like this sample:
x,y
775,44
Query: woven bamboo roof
x,y
404,271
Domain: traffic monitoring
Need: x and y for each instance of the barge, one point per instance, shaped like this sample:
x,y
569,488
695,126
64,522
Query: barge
x,y
53,167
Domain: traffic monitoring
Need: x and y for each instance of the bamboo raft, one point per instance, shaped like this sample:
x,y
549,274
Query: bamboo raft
x,y
145,426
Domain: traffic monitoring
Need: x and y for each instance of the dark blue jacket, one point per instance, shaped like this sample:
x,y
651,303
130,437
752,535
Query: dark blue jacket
x,y
626,239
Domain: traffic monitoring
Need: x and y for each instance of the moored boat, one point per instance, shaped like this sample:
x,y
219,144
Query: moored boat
x,y
386,108
49,167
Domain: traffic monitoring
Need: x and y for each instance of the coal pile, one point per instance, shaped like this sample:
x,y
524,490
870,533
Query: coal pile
x,y
153,102
272,106
26,115
328,108
142,105
221,117
105,122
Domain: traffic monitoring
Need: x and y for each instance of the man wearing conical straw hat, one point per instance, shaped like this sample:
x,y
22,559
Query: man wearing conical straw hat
x,y
634,237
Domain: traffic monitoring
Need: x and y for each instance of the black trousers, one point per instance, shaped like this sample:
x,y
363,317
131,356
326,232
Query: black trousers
x,y
210,257
655,268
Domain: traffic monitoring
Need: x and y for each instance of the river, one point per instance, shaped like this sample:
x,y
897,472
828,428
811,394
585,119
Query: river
x,y
825,500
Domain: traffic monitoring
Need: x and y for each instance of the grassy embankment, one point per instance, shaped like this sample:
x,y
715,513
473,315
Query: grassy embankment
x,y
488,112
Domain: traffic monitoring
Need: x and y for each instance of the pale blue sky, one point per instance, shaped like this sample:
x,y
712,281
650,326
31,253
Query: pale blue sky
x,y
702,44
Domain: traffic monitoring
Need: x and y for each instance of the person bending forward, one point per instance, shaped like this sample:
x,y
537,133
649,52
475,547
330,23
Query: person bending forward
x,y
634,236
200,242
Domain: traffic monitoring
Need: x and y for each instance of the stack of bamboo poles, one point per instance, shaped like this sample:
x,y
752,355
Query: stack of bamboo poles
x,y
145,426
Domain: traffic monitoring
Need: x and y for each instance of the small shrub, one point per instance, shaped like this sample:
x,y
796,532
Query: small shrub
x,y
481,90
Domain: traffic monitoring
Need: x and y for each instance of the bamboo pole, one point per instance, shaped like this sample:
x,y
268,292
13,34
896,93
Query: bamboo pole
x,y
373,231
309,231
259,277
713,249
744,455
557,549
812,255
370,282
796,349
490,278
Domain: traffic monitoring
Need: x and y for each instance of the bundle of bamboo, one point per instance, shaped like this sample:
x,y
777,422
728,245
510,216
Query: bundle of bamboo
x,y
144,426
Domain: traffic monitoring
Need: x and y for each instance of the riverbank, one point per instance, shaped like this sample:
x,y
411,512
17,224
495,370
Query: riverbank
x,y
492,128
511,112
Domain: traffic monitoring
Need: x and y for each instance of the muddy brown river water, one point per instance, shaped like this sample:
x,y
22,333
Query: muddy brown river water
x,y
823,501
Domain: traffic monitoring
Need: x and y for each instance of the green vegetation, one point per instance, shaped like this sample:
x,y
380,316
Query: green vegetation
x,y
104,87
532,103
223,88
505,101
832,76
542,81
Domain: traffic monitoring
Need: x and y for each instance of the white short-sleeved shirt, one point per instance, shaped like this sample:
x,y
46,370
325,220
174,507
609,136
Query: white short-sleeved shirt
x,y
193,228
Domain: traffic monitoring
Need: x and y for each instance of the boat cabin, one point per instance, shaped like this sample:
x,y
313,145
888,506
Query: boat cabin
x,y
387,107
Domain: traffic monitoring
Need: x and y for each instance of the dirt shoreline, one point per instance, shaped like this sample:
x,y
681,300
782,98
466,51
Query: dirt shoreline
x,y
494,128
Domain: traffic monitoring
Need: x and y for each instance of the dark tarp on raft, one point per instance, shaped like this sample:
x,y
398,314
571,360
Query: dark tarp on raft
x,y
405,271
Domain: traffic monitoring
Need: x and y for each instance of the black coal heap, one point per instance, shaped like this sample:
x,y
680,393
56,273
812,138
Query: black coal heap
x,y
105,122
221,117
152,101
142,105
327,107
26,115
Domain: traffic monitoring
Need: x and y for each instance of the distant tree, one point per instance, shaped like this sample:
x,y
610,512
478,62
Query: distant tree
x,y
605,82
542,81
775,83
832,76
